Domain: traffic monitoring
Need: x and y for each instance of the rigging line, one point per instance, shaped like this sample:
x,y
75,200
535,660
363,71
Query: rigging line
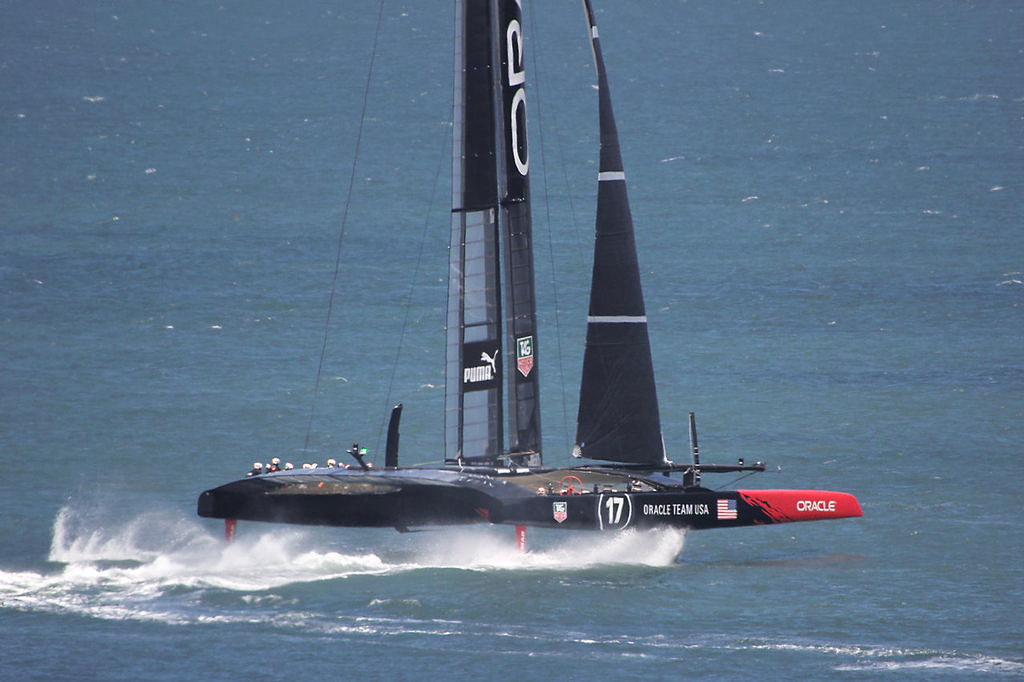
x,y
738,479
547,211
444,155
446,146
344,221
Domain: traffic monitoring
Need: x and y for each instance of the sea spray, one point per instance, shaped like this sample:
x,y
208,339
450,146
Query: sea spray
x,y
169,549
162,567
84,532
490,548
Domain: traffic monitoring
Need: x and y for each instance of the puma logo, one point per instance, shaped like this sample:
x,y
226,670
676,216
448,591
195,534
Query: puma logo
x,y
484,372
491,360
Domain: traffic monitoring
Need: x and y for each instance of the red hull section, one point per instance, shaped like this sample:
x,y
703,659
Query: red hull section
x,y
784,506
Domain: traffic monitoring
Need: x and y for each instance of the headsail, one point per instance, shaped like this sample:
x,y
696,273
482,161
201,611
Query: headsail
x,y
618,416
490,225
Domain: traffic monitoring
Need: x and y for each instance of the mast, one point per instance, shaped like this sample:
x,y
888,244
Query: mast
x,y
618,415
490,226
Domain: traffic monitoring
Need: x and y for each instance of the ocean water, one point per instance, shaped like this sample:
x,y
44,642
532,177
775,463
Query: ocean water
x,y
828,199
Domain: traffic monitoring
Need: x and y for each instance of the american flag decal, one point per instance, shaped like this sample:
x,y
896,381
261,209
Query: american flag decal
x,y
726,509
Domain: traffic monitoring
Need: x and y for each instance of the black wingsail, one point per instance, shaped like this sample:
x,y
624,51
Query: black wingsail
x,y
618,416
473,422
520,300
491,226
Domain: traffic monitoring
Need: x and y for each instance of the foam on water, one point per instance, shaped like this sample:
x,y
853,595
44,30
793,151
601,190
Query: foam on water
x,y
483,550
169,548
107,568
169,569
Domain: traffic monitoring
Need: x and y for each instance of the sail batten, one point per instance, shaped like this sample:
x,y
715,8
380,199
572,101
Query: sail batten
x,y
618,414
616,319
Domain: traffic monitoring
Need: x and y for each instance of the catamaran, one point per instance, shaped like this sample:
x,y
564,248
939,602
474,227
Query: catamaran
x,y
493,469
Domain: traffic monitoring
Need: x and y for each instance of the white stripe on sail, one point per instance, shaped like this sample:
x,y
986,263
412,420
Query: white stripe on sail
x,y
611,175
618,319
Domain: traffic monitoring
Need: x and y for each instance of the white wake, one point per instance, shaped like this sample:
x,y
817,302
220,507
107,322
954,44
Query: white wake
x,y
157,565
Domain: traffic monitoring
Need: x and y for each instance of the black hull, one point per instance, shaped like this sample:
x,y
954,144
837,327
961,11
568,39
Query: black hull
x,y
577,499
392,510
352,499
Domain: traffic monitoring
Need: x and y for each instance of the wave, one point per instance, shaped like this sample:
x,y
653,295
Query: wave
x,y
491,549
158,565
167,568
877,658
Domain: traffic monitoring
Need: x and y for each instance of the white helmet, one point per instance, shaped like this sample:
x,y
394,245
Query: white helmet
x,y
276,460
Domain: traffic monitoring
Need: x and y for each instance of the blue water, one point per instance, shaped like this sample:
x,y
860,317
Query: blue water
x,y
828,199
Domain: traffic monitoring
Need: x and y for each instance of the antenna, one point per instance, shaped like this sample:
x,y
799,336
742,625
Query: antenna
x,y
694,449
